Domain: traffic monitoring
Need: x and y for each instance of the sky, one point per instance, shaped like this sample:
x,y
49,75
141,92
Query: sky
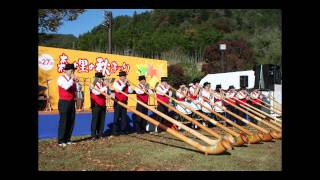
x,y
91,18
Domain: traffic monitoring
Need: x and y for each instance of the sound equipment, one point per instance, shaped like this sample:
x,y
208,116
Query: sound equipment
x,y
243,81
266,75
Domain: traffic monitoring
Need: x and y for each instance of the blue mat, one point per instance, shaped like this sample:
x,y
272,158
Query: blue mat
x,y
48,124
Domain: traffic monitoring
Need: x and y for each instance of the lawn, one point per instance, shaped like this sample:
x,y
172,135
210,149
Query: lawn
x,y
153,152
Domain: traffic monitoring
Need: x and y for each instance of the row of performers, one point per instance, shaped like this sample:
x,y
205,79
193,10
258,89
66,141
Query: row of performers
x,y
100,88
212,99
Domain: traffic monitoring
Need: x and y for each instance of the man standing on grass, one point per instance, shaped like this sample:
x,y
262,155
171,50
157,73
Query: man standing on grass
x,y
66,104
121,85
142,92
99,108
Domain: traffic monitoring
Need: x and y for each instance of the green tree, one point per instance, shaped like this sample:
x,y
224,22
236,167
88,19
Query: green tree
x,y
51,19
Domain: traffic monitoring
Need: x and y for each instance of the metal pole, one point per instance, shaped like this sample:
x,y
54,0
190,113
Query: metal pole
x,y
110,33
222,66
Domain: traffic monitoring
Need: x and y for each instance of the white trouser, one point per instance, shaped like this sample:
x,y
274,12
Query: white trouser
x,y
206,104
195,106
183,109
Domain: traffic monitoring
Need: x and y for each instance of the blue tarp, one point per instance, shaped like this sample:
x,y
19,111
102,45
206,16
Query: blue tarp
x,y
48,124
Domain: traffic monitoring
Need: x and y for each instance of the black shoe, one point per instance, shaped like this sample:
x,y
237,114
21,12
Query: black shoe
x,y
124,133
115,134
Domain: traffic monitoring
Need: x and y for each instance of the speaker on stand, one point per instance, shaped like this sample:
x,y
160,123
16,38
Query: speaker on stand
x,y
243,81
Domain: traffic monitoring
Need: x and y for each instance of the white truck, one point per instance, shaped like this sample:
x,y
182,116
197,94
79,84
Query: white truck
x,y
233,78
228,79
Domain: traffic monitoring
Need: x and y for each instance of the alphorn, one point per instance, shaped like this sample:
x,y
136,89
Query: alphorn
x,y
240,138
270,97
179,124
260,129
276,112
242,109
218,148
252,138
208,130
264,113
253,111
265,136
272,106
240,106
275,135
264,121
258,113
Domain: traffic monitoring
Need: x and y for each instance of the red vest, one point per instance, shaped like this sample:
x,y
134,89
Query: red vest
x,y
67,94
180,99
163,98
98,99
143,97
119,96
242,101
217,100
256,101
193,97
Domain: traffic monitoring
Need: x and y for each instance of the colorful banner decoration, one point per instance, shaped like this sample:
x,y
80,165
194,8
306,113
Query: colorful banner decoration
x,y
51,62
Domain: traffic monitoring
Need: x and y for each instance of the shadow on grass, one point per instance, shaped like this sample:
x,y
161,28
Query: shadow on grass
x,y
187,135
171,145
82,139
176,146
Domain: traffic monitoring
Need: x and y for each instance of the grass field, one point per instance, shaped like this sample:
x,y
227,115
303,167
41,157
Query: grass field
x,y
152,152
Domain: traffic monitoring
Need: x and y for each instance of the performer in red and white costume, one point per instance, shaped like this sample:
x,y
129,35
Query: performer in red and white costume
x,y
205,97
142,96
99,108
181,94
122,84
66,105
256,98
218,101
231,97
162,89
193,93
242,97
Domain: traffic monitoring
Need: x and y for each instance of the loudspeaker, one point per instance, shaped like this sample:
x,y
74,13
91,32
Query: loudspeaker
x,y
243,81
266,76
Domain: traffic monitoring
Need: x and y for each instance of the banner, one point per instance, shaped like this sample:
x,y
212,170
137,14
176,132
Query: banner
x,y
51,62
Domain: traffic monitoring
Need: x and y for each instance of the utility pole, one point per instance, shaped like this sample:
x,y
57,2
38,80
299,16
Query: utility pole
x,y
222,48
108,24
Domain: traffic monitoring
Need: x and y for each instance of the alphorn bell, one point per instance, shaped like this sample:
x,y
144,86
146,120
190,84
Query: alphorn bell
x,y
218,148
240,139
208,130
179,124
